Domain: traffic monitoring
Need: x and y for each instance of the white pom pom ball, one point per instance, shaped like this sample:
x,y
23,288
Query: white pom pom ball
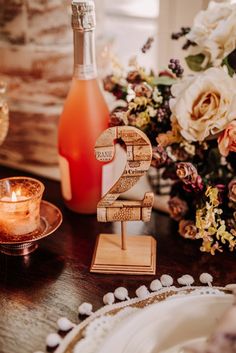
x,y
185,280
231,287
108,298
166,280
53,340
85,309
121,293
206,278
64,324
142,292
155,285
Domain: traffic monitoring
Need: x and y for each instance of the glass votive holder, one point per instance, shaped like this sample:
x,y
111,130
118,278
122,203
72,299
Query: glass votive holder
x,y
20,199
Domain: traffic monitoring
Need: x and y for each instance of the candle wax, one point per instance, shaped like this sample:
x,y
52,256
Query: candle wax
x,y
9,199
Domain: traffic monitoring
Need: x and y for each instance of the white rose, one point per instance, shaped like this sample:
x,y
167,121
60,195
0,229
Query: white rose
x,y
214,32
204,104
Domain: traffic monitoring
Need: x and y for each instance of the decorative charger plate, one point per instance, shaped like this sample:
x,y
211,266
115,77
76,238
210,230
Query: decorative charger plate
x,y
162,323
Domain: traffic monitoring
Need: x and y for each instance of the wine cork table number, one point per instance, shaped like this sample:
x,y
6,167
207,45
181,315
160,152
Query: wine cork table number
x,y
116,253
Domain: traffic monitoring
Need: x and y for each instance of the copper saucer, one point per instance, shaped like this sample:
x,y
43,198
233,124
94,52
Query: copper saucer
x,y
50,220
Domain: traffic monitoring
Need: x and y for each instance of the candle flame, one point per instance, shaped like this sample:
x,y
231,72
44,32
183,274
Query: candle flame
x,y
13,196
18,192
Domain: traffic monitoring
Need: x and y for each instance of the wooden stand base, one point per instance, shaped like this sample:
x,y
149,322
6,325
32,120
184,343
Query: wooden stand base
x,y
139,257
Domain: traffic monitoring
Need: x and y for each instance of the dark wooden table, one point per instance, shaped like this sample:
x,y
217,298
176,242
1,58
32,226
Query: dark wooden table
x,y
38,289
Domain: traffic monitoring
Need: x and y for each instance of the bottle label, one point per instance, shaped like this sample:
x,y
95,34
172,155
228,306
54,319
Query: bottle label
x,y
65,178
86,72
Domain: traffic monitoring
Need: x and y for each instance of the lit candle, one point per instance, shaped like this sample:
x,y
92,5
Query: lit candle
x,y
15,196
20,199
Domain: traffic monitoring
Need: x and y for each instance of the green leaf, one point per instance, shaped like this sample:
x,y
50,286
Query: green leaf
x,y
194,62
225,62
163,80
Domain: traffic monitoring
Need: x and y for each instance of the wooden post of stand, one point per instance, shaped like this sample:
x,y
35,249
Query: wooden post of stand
x,y
123,236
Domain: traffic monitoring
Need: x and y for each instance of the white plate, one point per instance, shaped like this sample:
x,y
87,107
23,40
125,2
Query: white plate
x,y
167,326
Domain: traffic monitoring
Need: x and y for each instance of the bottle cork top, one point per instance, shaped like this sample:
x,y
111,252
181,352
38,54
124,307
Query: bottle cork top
x,y
83,15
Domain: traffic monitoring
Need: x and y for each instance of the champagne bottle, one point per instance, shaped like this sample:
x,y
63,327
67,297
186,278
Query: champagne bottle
x,y
84,117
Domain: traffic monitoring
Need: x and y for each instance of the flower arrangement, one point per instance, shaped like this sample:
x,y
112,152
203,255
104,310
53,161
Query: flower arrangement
x,y
191,122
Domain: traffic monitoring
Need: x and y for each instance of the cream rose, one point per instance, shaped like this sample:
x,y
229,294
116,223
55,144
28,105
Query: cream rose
x,y
204,104
214,32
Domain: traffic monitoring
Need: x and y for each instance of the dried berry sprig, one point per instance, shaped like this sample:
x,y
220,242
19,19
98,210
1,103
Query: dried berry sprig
x,y
188,44
162,114
147,45
183,31
175,67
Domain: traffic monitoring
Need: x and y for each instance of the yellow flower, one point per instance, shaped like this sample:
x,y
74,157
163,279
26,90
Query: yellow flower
x,y
142,119
137,102
168,138
212,193
210,227
208,247
212,230
232,244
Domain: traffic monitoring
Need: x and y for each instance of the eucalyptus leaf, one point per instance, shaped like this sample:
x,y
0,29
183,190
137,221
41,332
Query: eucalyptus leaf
x,y
163,80
194,62
225,62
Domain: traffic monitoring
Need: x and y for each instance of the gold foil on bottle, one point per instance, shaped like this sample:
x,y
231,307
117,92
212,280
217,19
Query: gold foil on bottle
x,y
83,15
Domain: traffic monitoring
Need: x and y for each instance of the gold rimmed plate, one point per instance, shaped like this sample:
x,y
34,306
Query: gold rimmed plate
x,y
50,220
163,322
